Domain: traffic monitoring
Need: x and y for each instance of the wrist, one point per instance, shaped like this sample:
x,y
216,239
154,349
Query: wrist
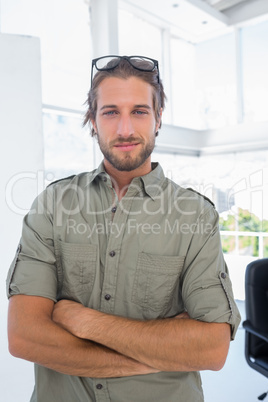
x,y
89,324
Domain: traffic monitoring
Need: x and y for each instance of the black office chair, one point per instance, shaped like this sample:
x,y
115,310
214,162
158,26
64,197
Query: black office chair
x,y
256,324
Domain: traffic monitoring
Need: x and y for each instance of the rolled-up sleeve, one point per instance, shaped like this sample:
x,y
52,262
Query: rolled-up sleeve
x,y
207,289
33,270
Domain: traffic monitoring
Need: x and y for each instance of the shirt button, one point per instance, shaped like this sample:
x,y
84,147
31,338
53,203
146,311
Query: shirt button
x,y
223,275
114,209
105,178
99,386
107,297
112,253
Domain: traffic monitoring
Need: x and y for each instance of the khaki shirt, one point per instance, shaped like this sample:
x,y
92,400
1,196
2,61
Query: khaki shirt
x,y
154,254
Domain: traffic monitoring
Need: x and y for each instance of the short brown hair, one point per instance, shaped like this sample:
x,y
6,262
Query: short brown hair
x,y
125,70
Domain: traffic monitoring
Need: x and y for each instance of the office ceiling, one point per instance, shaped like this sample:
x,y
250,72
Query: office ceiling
x,y
198,20
222,5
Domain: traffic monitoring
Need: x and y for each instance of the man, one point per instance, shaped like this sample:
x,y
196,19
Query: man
x,y
119,290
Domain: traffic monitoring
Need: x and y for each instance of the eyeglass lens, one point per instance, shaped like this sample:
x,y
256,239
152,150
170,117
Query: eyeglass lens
x,y
107,63
141,63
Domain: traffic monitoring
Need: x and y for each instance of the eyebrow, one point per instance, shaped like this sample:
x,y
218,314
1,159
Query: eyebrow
x,y
143,106
135,106
107,107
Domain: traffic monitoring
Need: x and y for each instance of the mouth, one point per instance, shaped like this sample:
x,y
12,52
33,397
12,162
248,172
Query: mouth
x,y
126,146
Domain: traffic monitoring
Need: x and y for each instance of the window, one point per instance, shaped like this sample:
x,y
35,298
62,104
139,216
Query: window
x,y
184,102
68,149
216,82
139,37
237,184
255,67
64,32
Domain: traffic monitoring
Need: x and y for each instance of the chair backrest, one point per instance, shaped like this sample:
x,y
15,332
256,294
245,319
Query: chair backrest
x,y
256,287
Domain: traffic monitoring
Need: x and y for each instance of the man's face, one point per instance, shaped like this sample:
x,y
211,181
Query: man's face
x,y
125,122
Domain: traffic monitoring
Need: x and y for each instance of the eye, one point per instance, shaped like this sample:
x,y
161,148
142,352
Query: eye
x,y
140,112
109,113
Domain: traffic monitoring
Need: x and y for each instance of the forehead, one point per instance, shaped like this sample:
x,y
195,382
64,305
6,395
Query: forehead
x,y
114,90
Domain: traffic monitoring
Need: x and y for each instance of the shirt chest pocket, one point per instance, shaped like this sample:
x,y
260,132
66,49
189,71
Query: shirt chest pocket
x,y
156,282
76,269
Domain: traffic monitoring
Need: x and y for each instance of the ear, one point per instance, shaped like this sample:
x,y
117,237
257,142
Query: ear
x,y
94,125
158,123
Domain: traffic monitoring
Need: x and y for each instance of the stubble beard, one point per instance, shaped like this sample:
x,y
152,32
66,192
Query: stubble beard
x,y
127,163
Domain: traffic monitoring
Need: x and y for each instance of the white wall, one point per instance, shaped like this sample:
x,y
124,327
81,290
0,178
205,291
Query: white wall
x,y
21,150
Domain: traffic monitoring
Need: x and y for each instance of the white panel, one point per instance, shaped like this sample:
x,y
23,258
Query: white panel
x,y
21,149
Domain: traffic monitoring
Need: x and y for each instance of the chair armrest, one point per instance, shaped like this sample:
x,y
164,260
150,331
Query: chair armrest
x,y
248,327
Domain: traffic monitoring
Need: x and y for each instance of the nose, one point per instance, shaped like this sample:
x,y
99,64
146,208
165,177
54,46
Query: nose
x,y
125,127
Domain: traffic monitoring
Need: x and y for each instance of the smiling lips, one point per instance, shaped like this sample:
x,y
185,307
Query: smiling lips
x,y
126,146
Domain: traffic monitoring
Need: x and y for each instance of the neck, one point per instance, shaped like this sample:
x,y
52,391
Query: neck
x,y
122,179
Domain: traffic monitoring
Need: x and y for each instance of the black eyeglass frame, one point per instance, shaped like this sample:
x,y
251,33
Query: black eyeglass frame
x,y
128,58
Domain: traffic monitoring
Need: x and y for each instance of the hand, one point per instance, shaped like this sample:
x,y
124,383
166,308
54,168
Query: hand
x,y
182,315
69,315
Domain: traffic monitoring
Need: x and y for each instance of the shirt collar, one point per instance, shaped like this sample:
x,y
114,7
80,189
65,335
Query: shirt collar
x,y
151,182
100,171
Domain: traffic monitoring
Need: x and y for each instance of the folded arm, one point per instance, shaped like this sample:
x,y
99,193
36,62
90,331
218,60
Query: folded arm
x,y
34,336
167,344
